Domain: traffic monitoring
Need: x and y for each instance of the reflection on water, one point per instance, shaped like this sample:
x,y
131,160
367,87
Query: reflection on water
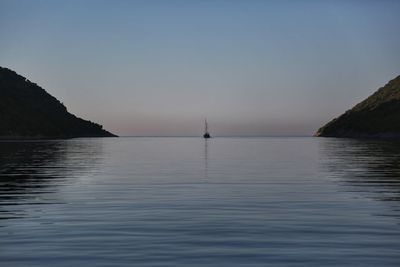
x,y
206,158
31,171
194,202
366,166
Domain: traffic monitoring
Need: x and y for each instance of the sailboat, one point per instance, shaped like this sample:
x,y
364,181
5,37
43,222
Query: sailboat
x,y
206,134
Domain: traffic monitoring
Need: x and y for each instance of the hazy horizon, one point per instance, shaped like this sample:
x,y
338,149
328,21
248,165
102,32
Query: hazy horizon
x,y
158,68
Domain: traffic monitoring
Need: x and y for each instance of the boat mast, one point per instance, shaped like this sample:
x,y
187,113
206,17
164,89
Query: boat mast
x,y
206,135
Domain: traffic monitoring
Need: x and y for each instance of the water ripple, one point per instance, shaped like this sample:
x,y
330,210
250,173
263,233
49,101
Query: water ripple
x,y
186,202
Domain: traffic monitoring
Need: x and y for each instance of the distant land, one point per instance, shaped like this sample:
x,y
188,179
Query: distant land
x,y
378,116
27,111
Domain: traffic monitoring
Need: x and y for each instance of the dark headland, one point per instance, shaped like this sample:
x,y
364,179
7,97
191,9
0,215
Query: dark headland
x,y
27,111
378,116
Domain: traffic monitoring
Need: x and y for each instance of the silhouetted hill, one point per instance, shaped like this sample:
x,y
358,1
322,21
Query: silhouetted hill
x,y
377,116
28,111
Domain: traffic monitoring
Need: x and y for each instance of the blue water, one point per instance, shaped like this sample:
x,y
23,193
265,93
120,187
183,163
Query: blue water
x,y
191,202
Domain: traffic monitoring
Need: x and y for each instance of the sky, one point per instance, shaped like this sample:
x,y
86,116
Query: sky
x,y
158,68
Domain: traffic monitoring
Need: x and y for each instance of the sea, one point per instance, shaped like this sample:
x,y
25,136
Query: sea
x,y
186,201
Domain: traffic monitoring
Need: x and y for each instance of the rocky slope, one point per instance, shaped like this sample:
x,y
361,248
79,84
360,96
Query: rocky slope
x,y
28,111
378,116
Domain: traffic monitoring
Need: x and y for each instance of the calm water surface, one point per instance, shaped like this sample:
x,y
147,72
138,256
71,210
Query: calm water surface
x,y
191,202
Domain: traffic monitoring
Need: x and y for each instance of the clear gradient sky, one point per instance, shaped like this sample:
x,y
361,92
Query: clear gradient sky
x,y
159,67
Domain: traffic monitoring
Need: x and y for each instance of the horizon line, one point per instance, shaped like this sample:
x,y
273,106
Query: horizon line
x,y
215,136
